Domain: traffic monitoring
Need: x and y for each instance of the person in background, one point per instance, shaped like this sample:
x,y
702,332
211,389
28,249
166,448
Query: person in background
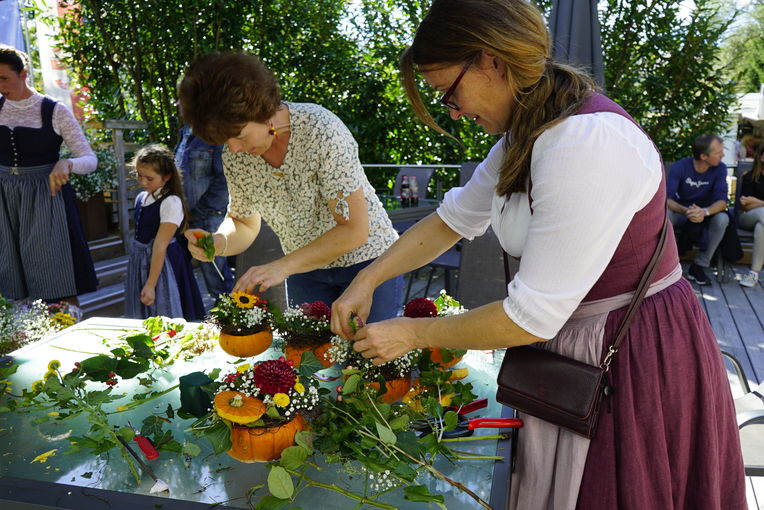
x,y
575,189
160,280
206,196
697,199
750,214
297,165
43,253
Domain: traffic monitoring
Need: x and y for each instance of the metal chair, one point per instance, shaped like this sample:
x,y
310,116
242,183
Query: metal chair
x,y
750,421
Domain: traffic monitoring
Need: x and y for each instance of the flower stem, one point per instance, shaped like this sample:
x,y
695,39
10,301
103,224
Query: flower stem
x,y
333,487
136,403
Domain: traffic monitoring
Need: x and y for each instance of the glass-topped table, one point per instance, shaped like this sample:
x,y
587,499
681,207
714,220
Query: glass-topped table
x,y
82,481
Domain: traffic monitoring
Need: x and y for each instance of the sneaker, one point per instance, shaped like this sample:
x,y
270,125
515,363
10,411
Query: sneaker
x,y
698,275
749,279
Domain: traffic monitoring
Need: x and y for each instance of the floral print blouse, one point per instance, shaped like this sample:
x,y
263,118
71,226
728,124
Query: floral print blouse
x,y
321,164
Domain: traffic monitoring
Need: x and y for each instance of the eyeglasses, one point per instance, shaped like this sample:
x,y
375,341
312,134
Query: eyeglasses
x,y
450,92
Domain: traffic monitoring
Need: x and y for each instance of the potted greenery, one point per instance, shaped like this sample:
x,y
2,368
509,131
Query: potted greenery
x,y
88,192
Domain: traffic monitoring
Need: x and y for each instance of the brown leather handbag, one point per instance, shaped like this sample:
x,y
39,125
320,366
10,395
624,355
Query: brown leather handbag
x,y
561,390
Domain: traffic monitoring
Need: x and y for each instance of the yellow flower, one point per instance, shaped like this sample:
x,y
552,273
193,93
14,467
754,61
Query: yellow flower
x,y
281,399
244,300
299,388
53,414
242,368
50,373
54,365
43,457
122,408
38,385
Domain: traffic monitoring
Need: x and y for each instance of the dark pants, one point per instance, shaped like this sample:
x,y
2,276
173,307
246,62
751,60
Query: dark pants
x,y
327,284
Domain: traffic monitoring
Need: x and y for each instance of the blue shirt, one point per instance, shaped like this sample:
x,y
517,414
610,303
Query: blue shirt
x,y
204,183
686,186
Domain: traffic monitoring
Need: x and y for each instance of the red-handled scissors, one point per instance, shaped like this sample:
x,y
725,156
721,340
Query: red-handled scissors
x,y
146,446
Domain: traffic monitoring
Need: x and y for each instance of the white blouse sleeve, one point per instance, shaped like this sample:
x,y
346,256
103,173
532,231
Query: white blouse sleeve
x,y
467,210
171,210
591,174
64,124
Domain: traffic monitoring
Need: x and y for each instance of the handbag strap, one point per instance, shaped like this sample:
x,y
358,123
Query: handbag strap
x,y
639,294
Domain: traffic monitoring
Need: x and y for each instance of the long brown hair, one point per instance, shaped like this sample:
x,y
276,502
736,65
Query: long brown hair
x,y
756,169
455,32
162,161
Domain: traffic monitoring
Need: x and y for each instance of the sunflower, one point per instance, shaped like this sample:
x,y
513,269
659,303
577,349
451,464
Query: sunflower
x,y
244,300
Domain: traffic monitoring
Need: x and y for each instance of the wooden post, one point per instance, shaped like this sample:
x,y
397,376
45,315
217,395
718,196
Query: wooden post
x,y
117,127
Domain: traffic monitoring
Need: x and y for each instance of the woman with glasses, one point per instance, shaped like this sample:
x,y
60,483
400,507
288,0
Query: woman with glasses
x,y
575,190
296,166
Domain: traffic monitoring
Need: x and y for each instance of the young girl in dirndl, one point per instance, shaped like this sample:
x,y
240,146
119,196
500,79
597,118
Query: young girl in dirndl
x,y
160,280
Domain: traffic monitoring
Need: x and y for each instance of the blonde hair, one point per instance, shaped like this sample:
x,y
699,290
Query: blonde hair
x,y
545,92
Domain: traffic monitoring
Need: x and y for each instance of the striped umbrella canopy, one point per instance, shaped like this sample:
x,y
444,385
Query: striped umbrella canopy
x,y
575,29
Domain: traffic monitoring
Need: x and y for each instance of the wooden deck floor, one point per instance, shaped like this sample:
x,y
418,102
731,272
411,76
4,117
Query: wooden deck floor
x,y
737,315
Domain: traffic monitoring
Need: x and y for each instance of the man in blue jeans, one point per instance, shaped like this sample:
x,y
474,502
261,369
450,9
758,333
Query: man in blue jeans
x,y
207,197
696,193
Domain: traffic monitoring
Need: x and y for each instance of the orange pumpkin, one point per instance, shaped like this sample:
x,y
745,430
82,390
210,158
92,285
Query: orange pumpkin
x,y
238,408
294,354
436,355
396,389
263,444
244,346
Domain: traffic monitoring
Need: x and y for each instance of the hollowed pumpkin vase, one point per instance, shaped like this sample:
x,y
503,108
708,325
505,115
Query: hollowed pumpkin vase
x,y
263,444
294,354
245,346
396,389
436,355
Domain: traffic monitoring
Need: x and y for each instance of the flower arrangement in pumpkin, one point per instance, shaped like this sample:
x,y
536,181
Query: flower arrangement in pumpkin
x,y
246,323
306,328
395,375
263,406
443,306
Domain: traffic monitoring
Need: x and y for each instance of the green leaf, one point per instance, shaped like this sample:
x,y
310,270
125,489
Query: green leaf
x,y
191,449
127,369
273,412
451,420
304,438
309,364
385,434
219,436
99,367
400,422
271,503
280,483
126,433
142,345
293,457
351,384
170,446
420,494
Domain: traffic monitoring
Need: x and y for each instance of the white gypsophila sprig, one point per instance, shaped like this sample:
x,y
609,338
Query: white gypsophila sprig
x,y
340,349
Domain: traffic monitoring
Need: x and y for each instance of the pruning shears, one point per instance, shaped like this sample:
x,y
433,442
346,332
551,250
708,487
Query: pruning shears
x,y
145,444
466,426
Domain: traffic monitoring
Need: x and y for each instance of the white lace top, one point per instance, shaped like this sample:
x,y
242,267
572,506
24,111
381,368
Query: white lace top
x,y
321,164
591,174
26,113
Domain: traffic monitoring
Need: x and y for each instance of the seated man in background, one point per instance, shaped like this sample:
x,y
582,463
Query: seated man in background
x,y
696,195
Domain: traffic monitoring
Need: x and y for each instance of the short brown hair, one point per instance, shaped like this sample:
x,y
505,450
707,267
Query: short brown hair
x,y
221,92
13,58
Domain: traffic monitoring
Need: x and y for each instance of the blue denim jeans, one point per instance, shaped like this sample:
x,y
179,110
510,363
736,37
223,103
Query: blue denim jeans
x,y
327,284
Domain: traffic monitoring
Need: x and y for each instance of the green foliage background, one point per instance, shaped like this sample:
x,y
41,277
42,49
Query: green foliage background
x,y
344,55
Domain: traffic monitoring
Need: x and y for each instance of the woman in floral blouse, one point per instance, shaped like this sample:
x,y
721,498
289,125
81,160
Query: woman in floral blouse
x,y
295,165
